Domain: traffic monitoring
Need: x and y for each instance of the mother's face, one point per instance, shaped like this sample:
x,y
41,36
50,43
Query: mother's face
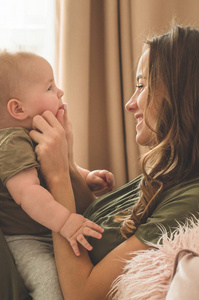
x,y
137,103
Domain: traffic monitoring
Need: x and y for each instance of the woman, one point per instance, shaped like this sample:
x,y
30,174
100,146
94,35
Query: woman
x,y
166,106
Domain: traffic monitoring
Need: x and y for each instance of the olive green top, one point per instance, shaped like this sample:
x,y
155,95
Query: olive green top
x,y
16,154
175,205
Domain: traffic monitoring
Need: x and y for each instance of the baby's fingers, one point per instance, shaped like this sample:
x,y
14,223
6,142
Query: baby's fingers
x,y
93,226
110,180
75,247
82,240
91,232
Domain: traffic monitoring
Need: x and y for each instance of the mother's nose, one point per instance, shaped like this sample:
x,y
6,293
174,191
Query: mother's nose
x,y
131,105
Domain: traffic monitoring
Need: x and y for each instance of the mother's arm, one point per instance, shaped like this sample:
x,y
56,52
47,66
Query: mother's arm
x,y
52,132
79,278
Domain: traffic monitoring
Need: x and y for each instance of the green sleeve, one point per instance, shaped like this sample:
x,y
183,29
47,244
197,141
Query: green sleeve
x,y
11,284
177,205
16,152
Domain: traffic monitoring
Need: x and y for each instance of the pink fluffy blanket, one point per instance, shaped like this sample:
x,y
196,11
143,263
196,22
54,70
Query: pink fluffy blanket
x,y
148,274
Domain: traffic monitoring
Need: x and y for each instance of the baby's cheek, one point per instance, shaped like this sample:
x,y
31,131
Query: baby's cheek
x,y
54,109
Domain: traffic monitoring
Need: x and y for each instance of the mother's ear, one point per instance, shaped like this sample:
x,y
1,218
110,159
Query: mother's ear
x,y
16,109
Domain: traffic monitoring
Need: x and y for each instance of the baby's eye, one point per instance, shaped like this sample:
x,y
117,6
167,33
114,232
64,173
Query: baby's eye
x,y
50,88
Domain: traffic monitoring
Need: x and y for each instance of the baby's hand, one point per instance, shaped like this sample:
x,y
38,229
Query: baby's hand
x,y
100,180
76,228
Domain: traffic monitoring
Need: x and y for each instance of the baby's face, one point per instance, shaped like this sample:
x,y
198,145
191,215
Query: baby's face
x,y
40,92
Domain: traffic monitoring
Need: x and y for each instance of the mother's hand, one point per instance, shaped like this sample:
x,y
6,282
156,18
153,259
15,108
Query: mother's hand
x,y
62,117
52,145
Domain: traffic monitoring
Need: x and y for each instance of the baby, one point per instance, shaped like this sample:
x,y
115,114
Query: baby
x,y
28,211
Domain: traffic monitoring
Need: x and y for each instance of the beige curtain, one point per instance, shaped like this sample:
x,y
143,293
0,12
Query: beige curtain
x,y
98,46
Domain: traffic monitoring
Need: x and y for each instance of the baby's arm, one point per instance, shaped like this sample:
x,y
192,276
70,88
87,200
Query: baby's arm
x,y
39,204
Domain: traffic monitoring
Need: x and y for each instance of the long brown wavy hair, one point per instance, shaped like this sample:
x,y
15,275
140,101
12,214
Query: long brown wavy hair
x,y
174,157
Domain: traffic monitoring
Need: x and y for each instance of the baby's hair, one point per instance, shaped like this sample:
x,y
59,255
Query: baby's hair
x,y
12,71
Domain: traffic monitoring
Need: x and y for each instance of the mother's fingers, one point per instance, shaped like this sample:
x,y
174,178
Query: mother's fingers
x,y
62,114
51,119
42,123
46,122
46,128
36,136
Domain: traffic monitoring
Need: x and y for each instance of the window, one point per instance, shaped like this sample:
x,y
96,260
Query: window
x,y
28,25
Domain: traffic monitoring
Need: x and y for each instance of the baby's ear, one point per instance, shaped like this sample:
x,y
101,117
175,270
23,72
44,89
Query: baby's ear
x,y
16,109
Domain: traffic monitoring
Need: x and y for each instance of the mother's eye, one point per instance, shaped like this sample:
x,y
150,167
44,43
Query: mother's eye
x,y
140,86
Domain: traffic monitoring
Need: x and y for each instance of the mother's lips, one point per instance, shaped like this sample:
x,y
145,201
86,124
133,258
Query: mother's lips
x,y
138,116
